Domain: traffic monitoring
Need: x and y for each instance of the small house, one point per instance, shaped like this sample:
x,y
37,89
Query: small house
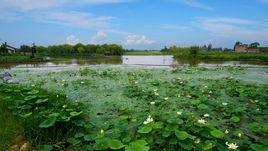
x,y
252,48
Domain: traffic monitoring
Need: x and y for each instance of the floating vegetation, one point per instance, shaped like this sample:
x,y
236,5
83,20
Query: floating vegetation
x,y
145,109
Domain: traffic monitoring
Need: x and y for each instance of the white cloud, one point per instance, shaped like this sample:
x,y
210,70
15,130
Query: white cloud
x,y
75,19
195,4
134,39
175,27
99,38
233,28
227,20
27,5
72,40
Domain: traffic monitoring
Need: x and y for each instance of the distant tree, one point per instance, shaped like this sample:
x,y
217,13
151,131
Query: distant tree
x,y
3,49
254,45
81,50
41,49
68,49
25,48
33,50
77,46
194,51
165,49
205,47
100,50
237,44
90,49
112,49
209,47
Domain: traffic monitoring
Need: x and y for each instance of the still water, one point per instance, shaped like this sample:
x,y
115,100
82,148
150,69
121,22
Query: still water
x,y
133,61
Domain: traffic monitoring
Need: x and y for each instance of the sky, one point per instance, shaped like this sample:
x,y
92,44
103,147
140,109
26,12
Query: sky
x,y
135,24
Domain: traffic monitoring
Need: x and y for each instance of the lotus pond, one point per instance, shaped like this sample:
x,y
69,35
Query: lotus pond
x,y
141,109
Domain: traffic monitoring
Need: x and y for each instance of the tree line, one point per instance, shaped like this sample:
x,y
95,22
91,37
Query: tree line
x,y
65,49
81,49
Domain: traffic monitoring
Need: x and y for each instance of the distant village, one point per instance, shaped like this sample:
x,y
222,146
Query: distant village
x,y
24,49
239,47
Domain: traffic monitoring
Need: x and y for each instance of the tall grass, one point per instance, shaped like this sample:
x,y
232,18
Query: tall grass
x,y
183,52
17,58
9,126
14,122
194,52
233,56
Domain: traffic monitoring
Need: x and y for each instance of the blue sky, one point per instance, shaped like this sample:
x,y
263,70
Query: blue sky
x,y
138,24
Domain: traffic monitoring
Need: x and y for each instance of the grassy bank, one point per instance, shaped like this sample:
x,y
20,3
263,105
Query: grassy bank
x,y
37,118
144,53
9,127
142,109
195,52
233,56
18,59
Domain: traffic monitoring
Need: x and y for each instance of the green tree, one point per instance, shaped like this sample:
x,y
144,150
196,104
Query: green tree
x,y
41,49
100,50
68,49
254,45
25,49
81,50
194,51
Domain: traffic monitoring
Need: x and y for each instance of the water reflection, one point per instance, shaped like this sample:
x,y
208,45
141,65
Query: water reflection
x,y
133,60
149,60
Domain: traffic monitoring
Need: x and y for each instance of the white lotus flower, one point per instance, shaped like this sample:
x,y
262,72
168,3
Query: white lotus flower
x,y
205,86
225,104
152,103
197,141
206,115
179,113
148,120
226,132
233,146
155,93
166,98
64,106
201,121
82,82
136,82
239,135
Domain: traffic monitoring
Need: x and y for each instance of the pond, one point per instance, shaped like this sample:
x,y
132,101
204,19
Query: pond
x,y
164,60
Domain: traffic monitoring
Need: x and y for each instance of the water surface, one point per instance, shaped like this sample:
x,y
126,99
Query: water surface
x,y
164,60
